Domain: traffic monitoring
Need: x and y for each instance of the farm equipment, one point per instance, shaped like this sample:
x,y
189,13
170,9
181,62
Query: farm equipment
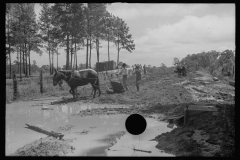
x,y
116,85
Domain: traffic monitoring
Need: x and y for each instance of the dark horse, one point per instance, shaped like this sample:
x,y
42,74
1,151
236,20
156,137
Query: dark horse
x,y
78,78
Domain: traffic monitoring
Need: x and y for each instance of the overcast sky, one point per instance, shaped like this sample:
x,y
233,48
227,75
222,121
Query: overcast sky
x,y
164,31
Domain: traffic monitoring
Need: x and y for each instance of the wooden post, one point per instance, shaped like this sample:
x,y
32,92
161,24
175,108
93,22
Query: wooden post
x,y
15,87
41,82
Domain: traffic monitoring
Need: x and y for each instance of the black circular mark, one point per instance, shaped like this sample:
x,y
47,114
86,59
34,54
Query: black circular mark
x,y
135,124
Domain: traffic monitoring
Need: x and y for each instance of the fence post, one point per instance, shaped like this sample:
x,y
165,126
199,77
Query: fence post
x,y
15,86
41,82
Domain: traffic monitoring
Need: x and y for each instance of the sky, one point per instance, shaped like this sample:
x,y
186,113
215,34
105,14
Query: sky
x,y
162,31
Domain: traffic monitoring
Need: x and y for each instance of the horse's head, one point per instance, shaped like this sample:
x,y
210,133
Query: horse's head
x,y
56,77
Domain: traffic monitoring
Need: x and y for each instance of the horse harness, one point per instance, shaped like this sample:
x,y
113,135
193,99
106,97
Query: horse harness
x,y
69,77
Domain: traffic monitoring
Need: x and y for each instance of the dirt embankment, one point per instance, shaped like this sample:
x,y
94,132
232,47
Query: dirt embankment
x,y
204,134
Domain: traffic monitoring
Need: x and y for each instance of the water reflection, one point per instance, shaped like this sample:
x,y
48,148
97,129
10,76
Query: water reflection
x,y
17,136
124,146
64,109
46,114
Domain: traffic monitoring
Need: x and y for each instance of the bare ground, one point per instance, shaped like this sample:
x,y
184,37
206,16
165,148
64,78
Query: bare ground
x,y
165,97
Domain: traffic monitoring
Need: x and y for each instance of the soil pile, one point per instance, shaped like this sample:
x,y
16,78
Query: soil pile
x,y
45,147
205,134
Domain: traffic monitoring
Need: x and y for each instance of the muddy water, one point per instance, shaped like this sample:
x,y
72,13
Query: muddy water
x,y
125,145
97,135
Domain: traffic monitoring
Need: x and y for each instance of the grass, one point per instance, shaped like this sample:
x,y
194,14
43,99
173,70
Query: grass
x,y
29,88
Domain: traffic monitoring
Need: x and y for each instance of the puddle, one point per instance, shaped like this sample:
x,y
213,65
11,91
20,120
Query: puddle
x,y
97,135
125,145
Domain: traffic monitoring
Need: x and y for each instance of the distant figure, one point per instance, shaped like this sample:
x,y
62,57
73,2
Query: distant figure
x,y
138,76
184,69
125,74
144,69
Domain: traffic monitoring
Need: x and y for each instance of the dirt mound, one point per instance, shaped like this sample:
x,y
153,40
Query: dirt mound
x,y
205,134
111,111
45,147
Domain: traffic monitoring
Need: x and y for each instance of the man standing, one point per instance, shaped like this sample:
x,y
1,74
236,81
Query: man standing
x,y
138,76
124,73
144,69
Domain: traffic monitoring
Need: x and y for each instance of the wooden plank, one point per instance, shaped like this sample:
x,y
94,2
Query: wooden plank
x,y
40,130
202,108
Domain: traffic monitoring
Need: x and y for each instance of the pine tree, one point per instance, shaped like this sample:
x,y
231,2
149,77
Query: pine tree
x,y
123,40
45,22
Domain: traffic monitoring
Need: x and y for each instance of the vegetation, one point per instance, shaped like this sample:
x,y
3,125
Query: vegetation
x,y
70,25
74,26
219,64
29,88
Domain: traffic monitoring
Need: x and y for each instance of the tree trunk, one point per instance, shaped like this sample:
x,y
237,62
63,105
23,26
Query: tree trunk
x,y
9,52
90,53
49,61
49,54
25,48
10,71
67,61
18,59
20,51
87,55
24,61
57,59
71,58
71,52
29,62
52,62
97,55
76,54
20,62
26,65
118,51
97,48
108,48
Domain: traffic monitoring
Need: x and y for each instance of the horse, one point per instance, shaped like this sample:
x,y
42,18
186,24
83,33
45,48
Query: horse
x,y
78,78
